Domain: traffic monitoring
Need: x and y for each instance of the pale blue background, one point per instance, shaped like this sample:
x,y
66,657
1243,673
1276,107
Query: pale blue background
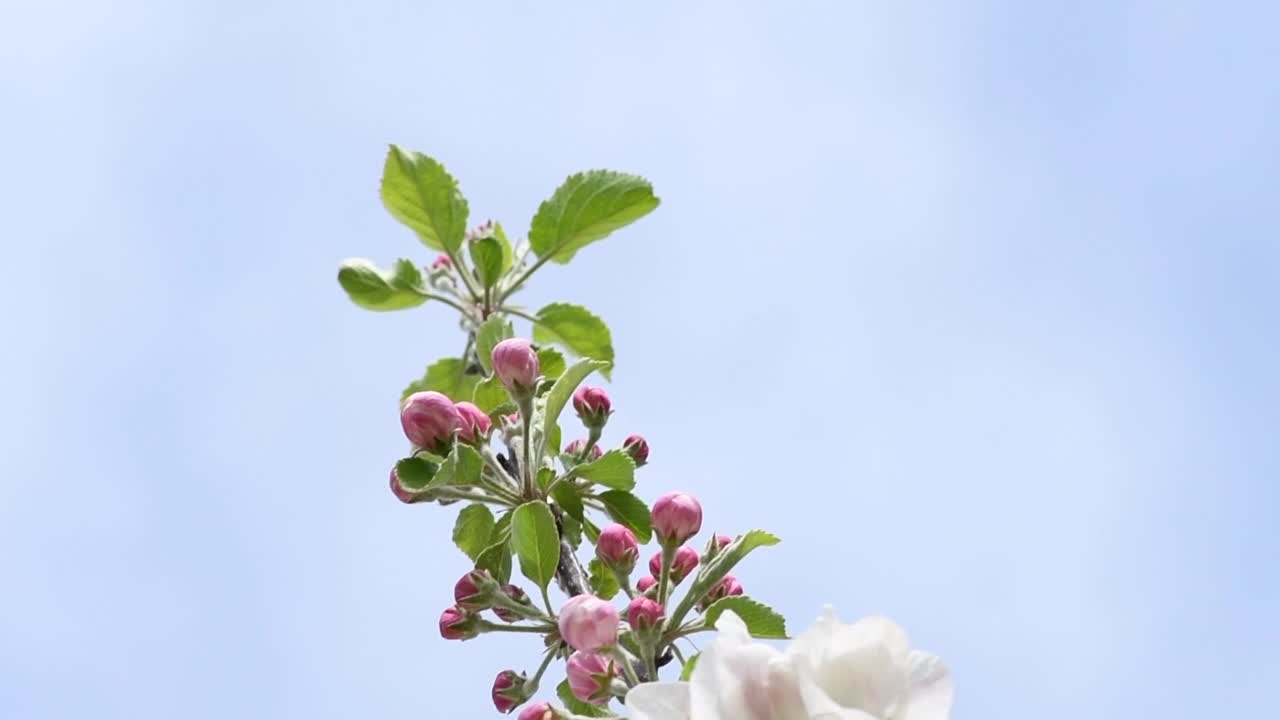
x,y
974,304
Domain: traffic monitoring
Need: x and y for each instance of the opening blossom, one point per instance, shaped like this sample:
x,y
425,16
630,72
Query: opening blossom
x,y
474,425
834,671
537,711
590,676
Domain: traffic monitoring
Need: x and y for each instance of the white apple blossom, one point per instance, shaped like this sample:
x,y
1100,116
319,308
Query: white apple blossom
x,y
834,671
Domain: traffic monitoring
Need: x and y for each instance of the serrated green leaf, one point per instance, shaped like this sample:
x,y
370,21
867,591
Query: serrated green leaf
x,y
578,707
550,362
761,620
714,570
686,672
575,328
508,257
490,333
415,473
373,289
566,496
447,376
536,541
420,193
585,208
545,477
628,510
486,257
562,390
603,582
614,469
489,395
472,530
497,560
462,467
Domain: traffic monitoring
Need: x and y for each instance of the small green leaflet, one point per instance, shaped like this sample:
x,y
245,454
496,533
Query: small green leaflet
x,y
536,541
472,530
415,474
563,389
444,376
420,193
374,289
761,620
603,582
578,707
462,467
686,672
486,256
574,327
497,560
614,469
566,496
490,333
585,208
550,362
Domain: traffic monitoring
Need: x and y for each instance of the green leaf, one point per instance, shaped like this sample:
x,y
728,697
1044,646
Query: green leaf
x,y
714,570
490,333
502,529
686,672
603,582
613,469
462,467
416,473
486,256
578,707
574,327
489,395
550,362
373,289
586,208
762,621
566,496
508,258
447,376
472,530
571,531
563,389
420,193
497,560
591,530
536,541
629,510
545,477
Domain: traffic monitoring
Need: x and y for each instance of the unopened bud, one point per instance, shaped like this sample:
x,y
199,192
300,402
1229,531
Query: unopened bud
x,y
638,448
714,546
516,365
685,560
537,711
618,549
442,262
403,493
471,590
509,691
590,676
727,587
457,624
429,420
517,596
474,427
677,517
592,405
588,623
483,230
575,449
644,614
645,584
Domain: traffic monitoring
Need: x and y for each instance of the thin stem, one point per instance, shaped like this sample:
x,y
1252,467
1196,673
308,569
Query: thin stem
x,y
464,274
627,670
526,417
518,313
467,495
664,581
624,582
546,600
532,683
447,301
487,626
523,276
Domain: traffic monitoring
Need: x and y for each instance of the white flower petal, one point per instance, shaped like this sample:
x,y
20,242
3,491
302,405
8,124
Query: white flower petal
x,y
929,688
659,701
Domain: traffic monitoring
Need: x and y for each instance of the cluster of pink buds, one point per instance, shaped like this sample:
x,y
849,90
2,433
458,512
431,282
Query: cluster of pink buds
x,y
576,447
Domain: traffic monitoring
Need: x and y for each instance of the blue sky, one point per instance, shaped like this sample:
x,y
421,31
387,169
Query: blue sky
x,y
974,304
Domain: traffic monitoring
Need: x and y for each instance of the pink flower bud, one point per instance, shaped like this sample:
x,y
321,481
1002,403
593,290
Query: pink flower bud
x,y
517,595
644,614
403,493
617,548
467,591
677,517
442,262
715,545
475,424
645,584
508,691
516,364
590,676
685,560
638,448
727,586
588,623
429,419
575,449
537,711
455,624
592,405
723,541
483,230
